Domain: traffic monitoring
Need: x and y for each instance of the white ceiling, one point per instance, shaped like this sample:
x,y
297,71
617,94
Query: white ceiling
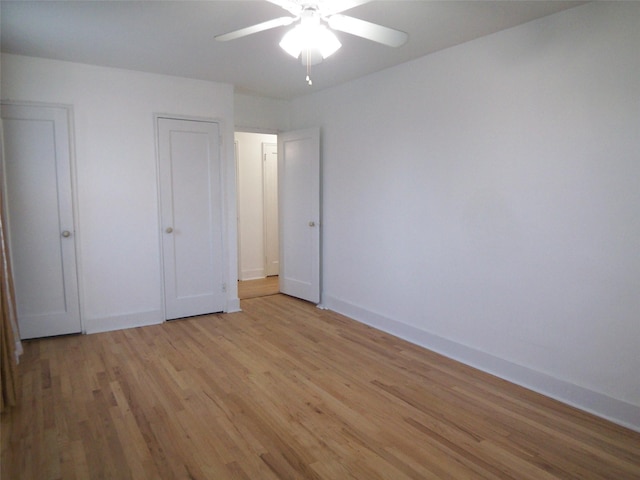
x,y
176,37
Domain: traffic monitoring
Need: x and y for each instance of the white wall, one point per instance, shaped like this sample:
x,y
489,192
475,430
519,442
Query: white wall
x,y
251,204
118,230
484,201
260,114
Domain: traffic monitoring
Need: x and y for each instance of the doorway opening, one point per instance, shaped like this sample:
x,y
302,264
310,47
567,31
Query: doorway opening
x,y
258,238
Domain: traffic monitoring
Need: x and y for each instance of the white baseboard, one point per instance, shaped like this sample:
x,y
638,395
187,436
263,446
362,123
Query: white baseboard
x,y
119,322
233,305
617,411
253,274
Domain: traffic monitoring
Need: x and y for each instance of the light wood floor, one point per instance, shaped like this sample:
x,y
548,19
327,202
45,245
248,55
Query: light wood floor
x,y
258,288
284,390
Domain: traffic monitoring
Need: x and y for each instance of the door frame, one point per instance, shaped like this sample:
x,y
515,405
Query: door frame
x,y
228,214
256,131
73,172
265,188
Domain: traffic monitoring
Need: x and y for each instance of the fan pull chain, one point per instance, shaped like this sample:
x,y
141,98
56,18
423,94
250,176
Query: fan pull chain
x,y
309,82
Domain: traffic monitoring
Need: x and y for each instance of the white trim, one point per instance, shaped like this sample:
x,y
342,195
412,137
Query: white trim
x,y
267,131
233,305
156,140
617,411
229,213
236,157
253,274
265,216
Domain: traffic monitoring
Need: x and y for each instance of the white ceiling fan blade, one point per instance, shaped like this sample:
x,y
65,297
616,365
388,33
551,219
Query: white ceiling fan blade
x,y
260,27
368,30
291,6
331,7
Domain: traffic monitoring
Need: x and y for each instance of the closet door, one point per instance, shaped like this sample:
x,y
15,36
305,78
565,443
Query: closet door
x,y
39,201
191,214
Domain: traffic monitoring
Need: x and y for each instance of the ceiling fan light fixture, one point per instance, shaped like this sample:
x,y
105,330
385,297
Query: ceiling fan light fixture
x,y
310,38
326,41
292,42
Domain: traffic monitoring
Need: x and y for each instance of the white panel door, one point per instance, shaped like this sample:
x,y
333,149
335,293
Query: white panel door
x,y
39,202
191,214
299,211
270,196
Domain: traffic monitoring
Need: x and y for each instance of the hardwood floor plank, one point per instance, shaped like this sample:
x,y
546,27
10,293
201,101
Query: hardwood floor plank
x,y
261,287
285,390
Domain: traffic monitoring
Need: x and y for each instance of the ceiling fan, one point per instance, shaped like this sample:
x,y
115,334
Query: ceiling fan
x,y
312,38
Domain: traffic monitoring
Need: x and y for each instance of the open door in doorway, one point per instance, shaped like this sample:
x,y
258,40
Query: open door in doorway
x,y
299,213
